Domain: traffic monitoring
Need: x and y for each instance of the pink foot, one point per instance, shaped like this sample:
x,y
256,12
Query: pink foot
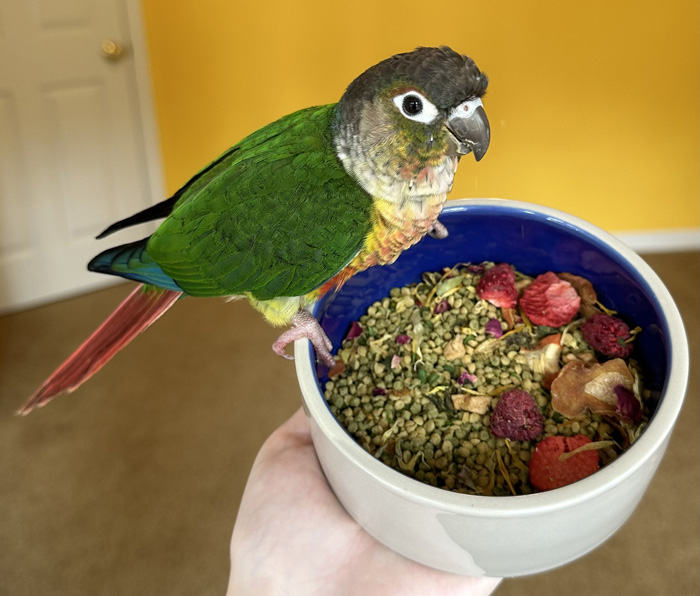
x,y
438,231
305,325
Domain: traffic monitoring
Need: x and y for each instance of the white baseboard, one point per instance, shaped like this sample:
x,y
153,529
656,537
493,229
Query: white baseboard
x,y
653,241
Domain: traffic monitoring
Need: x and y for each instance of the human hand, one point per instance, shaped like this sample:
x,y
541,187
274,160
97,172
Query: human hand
x,y
292,536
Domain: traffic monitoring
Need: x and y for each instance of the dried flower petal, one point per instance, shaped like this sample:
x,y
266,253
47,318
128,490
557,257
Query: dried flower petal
x,y
355,330
378,391
441,307
448,284
494,328
628,406
465,376
403,339
396,361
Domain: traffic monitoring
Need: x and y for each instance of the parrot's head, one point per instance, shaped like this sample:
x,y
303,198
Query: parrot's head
x,y
403,124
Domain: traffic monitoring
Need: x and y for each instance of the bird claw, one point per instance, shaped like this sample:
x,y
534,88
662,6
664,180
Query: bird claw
x,y
304,325
438,231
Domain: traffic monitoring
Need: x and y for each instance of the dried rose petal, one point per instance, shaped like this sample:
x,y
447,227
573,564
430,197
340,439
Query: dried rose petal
x,y
378,391
355,330
395,361
494,328
517,416
497,286
465,376
441,307
550,301
403,339
628,406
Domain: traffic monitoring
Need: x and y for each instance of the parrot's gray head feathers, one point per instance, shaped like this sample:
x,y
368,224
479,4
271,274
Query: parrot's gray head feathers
x,y
448,78
403,124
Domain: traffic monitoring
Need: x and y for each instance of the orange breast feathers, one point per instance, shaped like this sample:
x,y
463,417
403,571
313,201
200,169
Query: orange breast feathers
x,y
393,231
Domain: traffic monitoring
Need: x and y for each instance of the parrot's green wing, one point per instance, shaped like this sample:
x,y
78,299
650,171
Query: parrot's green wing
x,y
276,215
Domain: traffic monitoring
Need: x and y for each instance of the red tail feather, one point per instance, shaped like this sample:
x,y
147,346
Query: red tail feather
x,y
141,308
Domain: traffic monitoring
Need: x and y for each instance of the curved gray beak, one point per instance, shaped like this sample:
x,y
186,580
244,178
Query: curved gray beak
x,y
470,132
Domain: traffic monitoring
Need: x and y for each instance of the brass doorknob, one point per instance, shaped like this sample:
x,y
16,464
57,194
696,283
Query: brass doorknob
x,y
111,49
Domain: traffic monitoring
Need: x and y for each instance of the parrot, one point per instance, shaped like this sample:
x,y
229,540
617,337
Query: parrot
x,y
299,206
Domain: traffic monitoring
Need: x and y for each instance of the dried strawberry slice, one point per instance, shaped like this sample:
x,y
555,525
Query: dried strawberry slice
x,y
497,286
550,301
548,471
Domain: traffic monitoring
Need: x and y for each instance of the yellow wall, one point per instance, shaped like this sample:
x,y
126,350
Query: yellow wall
x,y
593,105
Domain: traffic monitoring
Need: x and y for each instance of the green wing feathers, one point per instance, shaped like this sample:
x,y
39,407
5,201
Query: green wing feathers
x,y
277,215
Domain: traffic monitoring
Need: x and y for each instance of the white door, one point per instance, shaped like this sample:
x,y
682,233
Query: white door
x,y
73,152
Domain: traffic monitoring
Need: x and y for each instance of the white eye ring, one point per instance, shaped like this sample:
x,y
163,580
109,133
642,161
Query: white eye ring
x,y
466,108
427,112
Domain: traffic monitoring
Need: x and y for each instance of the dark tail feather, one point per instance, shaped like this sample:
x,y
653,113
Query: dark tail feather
x,y
140,309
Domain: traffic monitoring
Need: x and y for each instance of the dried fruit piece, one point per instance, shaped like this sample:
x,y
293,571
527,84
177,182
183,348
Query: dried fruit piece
x,y
454,349
607,335
550,301
548,471
578,387
337,368
497,286
543,359
517,416
585,290
478,404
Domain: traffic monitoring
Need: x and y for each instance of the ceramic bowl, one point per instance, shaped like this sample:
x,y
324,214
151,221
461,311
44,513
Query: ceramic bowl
x,y
504,535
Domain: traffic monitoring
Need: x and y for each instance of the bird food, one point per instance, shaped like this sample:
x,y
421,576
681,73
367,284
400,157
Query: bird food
x,y
485,381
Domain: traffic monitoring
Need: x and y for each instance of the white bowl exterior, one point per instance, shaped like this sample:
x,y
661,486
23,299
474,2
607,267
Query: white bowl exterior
x,y
497,536
496,545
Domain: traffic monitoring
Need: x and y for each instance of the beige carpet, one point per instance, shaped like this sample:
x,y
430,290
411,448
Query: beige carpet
x,y
131,485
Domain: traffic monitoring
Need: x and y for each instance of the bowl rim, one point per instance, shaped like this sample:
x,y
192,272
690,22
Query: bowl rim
x,y
605,479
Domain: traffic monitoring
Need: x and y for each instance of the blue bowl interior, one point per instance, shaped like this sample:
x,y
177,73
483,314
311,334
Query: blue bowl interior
x,y
534,243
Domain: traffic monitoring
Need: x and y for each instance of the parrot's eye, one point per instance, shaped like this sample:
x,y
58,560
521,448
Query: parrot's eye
x,y
416,107
412,105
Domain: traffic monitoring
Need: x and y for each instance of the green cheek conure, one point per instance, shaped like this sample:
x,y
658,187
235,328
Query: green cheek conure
x,y
301,205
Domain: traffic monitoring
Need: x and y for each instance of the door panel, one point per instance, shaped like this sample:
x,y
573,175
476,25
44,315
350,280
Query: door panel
x,y
72,146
